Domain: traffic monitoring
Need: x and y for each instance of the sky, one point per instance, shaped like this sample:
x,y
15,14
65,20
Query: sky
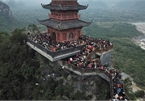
x,y
83,2
48,1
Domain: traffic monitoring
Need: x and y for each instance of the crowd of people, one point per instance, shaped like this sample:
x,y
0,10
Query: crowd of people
x,y
117,83
83,59
46,41
93,43
118,89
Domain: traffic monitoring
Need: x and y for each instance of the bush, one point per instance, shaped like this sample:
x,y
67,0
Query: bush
x,y
140,93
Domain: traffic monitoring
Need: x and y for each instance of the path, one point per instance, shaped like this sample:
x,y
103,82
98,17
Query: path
x,y
134,86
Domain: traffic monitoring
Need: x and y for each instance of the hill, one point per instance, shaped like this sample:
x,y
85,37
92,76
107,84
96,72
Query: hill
x,y
139,5
97,4
7,21
134,5
110,3
5,10
25,75
15,3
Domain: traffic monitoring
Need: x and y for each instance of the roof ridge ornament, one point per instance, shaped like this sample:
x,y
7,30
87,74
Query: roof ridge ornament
x,y
87,5
59,25
60,6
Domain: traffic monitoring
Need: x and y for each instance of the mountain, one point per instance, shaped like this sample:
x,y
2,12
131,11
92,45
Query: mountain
x,y
135,5
139,5
15,3
95,4
110,3
7,21
5,10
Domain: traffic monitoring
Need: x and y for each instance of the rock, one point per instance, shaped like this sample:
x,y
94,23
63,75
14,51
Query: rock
x,y
65,97
69,78
5,10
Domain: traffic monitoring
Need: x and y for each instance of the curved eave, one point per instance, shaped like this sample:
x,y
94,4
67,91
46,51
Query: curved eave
x,y
63,8
64,25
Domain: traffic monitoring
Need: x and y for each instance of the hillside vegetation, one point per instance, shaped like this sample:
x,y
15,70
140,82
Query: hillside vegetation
x,y
25,75
7,21
135,5
20,67
127,56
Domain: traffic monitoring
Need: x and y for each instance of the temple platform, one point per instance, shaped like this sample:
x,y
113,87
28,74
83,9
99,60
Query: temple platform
x,y
85,71
117,90
54,56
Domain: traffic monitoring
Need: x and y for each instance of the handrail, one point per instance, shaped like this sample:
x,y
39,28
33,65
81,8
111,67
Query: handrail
x,y
57,53
96,70
125,93
86,70
97,50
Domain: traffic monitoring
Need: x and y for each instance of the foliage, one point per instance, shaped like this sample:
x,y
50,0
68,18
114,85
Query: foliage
x,y
20,73
5,5
33,28
20,69
18,36
140,93
102,89
120,30
128,90
8,24
127,56
16,68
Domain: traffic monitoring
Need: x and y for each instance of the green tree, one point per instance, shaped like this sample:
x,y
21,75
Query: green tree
x,y
128,90
33,28
18,36
140,93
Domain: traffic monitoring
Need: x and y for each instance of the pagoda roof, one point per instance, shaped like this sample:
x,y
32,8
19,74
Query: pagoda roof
x,y
63,25
64,8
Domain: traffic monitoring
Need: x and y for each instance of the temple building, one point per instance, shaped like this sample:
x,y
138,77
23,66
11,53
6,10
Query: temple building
x,y
64,30
64,36
64,23
81,55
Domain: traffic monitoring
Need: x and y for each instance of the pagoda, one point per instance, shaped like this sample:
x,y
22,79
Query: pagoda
x,y
64,23
82,56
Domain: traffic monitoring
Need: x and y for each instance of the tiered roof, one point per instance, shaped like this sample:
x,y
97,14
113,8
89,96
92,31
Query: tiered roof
x,y
63,25
64,8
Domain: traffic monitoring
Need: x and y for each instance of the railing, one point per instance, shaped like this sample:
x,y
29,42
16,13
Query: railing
x,y
86,70
125,93
96,70
63,18
57,53
104,50
98,51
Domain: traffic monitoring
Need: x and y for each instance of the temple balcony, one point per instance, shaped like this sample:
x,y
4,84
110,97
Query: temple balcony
x,y
85,71
79,63
51,55
60,50
104,73
104,55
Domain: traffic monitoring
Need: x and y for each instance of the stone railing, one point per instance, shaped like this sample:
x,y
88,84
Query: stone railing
x,y
89,71
96,70
57,53
85,70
